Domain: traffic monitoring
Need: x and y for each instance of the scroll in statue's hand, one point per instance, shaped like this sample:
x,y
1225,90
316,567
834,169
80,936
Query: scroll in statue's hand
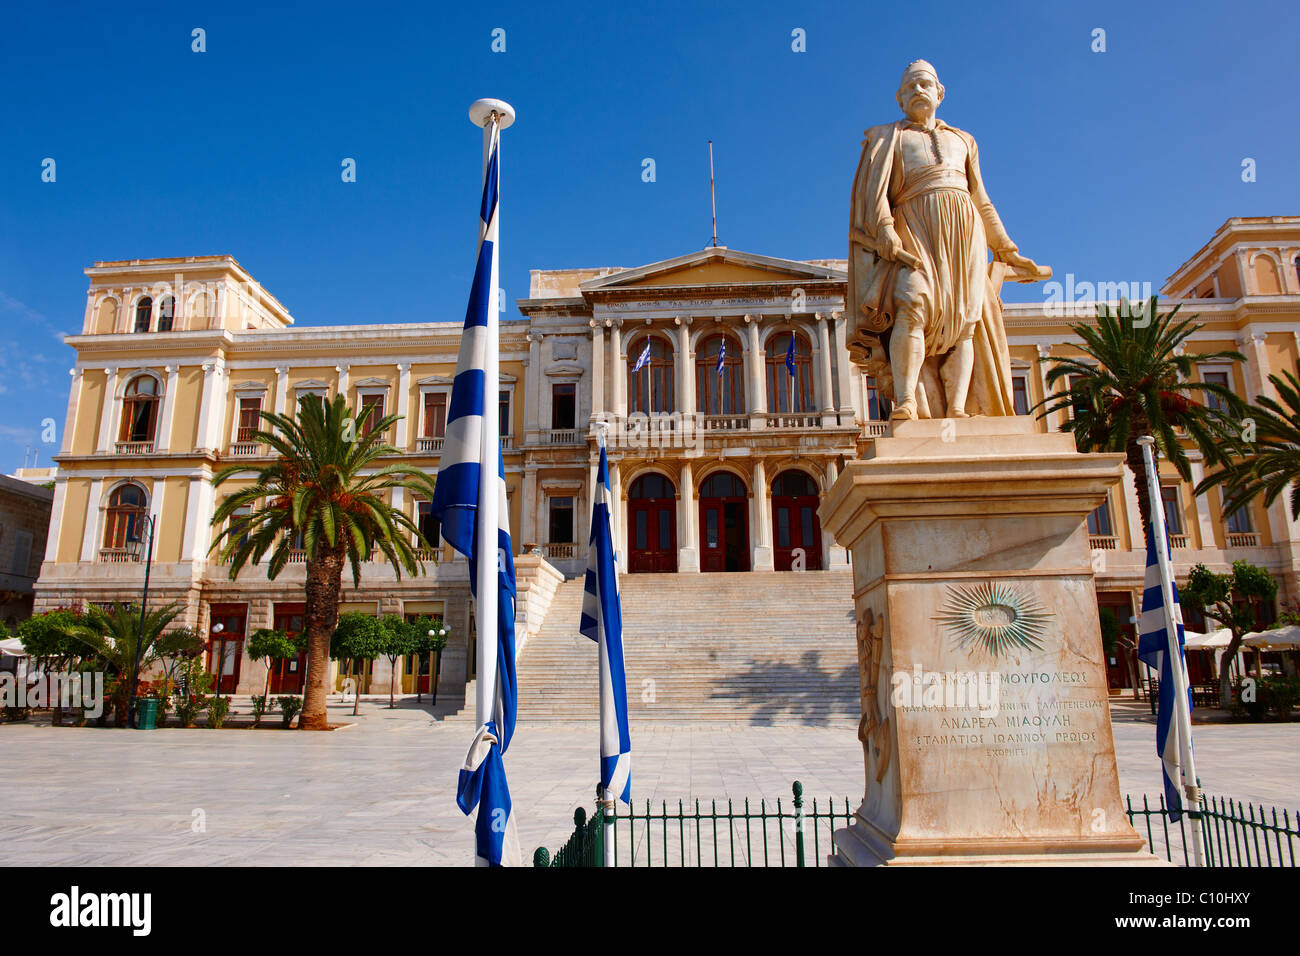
x,y
1024,269
891,247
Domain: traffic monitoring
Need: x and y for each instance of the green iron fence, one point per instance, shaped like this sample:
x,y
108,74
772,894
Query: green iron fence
x,y
706,834
1235,834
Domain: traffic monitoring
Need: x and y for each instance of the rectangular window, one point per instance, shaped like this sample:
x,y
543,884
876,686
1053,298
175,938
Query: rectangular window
x,y
564,405
878,406
249,418
1173,510
561,520
428,523
1020,394
1214,401
783,528
1238,519
372,410
504,404
435,414
1099,522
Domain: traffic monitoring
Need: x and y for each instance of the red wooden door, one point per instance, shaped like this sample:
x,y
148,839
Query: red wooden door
x,y
287,676
724,524
795,525
226,645
652,534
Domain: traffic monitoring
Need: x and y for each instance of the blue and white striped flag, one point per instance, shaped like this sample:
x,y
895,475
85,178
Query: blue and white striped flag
x,y
471,444
1153,650
722,355
602,621
643,358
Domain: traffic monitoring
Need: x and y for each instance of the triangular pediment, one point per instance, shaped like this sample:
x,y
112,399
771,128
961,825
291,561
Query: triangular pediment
x,y
715,265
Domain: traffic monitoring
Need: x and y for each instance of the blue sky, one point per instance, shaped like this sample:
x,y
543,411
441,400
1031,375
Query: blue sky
x,y
1113,166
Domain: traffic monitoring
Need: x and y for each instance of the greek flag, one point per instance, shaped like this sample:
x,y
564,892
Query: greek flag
x,y
471,444
722,355
789,356
643,358
1153,650
602,621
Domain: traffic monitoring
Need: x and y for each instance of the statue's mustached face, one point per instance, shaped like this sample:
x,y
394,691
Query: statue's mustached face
x,y
919,93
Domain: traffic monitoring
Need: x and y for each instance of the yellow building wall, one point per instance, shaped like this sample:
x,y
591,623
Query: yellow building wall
x,y
185,412
90,409
171,524
72,527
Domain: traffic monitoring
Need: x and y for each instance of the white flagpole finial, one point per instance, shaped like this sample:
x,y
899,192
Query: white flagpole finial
x,y
602,428
480,113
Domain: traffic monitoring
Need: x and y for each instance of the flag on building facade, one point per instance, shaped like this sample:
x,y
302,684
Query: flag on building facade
x,y
789,356
1153,650
602,621
722,355
470,448
642,358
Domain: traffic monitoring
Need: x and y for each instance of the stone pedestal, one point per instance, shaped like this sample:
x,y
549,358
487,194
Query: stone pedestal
x,y
986,730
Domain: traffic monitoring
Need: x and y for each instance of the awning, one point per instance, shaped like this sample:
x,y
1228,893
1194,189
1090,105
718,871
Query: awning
x,y
13,647
1204,642
1279,638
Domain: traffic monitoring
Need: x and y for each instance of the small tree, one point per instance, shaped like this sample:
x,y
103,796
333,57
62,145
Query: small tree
x,y
50,641
1231,599
269,645
398,641
184,643
114,635
358,637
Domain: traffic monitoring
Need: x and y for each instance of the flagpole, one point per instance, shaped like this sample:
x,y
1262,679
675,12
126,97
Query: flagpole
x,y
1182,710
493,116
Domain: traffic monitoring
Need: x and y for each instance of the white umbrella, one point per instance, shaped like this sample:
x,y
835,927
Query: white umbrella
x,y
13,647
1204,642
1282,637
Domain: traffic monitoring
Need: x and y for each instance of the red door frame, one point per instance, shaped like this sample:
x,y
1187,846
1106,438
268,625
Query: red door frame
x,y
793,505
655,556
286,678
219,644
734,545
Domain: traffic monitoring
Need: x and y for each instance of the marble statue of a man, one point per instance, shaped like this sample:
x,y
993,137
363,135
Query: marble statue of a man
x,y
922,293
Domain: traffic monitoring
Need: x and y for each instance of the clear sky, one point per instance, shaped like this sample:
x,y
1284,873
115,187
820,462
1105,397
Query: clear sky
x,y
1114,166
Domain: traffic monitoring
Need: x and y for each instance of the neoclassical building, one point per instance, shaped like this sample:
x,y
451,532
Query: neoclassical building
x,y
721,379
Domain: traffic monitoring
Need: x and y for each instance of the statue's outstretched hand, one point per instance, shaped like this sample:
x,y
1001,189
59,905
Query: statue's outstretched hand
x,y
1023,268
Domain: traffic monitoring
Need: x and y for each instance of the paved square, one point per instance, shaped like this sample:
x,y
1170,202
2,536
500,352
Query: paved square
x,y
381,792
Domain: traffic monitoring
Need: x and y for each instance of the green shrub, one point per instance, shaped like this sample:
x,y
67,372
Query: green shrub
x,y
218,708
289,707
259,708
1280,694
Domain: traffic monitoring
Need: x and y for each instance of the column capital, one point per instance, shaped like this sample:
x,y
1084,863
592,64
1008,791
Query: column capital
x,y
282,370
403,367
1043,351
535,336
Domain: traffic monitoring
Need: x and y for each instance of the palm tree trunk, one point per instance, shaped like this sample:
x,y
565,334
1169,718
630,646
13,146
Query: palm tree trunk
x,y
1137,464
324,581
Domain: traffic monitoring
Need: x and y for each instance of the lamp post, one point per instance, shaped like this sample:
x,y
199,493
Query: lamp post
x,y
134,544
441,631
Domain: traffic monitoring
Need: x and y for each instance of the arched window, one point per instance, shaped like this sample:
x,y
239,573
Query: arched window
x,y
126,506
650,389
143,314
723,484
140,409
652,486
166,313
793,484
788,393
719,389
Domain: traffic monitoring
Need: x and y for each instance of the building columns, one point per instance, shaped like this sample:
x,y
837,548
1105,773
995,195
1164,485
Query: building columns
x,y
688,520
597,371
755,387
620,523
845,405
109,416
74,405
617,370
530,505
685,368
402,404
1203,520
836,556
762,519
281,389
533,404
164,437
90,532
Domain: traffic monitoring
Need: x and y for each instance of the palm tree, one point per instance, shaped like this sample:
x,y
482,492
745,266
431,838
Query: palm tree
x,y
112,635
1266,456
325,491
1135,381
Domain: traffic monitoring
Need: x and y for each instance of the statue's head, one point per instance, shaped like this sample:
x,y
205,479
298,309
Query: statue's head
x,y
919,91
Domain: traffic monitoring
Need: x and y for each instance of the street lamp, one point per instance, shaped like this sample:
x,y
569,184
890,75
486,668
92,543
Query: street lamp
x,y
135,542
440,631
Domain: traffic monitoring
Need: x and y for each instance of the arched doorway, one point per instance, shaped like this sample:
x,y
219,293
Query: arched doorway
x,y
652,524
724,523
795,528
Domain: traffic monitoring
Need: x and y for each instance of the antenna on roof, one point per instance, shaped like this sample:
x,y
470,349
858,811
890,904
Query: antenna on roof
x,y
713,197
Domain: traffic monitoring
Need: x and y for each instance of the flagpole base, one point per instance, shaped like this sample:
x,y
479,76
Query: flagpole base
x,y
986,727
